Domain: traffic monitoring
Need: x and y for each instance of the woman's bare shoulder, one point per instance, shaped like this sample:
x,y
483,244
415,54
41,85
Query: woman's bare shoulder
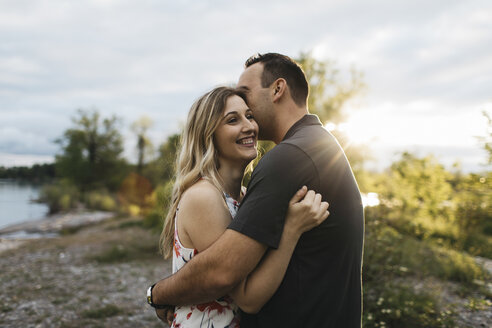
x,y
201,194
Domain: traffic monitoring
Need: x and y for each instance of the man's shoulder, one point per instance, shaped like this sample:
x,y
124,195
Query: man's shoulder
x,y
280,155
309,134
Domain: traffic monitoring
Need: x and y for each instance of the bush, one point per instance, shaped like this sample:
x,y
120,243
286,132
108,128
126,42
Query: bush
x,y
388,253
392,259
478,244
135,194
392,305
100,200
161,198
60,196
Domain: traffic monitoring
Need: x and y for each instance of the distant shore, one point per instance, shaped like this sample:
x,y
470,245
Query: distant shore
x,y
15,235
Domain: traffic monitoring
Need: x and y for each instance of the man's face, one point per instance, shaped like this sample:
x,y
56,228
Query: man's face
x,y
258,98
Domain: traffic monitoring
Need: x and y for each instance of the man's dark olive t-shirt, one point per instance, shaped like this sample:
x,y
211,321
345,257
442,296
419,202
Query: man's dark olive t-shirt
x,y
322,285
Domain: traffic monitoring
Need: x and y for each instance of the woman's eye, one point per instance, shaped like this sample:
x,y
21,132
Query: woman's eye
x,y
232,120
250,117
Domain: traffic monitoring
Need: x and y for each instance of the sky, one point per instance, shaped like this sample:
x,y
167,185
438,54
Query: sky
x,y
427,66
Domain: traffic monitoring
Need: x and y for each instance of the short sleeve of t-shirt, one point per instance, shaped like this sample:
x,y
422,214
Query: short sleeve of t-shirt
x,y
276,178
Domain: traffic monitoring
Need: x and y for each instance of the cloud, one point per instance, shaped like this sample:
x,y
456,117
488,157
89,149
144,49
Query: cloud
x,y
420,58
17,141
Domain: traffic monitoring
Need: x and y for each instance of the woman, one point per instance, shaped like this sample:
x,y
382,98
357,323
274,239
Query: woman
x,y
218,143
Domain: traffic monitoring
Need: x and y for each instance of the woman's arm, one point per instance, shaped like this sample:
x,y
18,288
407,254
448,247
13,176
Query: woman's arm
x,y
203,216
253,292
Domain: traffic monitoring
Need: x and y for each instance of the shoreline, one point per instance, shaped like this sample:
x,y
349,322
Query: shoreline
x,y
15,235
95,276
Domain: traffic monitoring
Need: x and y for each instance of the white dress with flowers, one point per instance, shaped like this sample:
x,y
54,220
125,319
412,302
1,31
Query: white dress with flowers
x,y
220,313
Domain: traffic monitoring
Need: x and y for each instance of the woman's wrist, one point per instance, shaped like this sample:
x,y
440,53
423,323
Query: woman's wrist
x,y
292,233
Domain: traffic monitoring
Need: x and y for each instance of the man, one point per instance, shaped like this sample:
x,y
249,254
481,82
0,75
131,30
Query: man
x,y
322,285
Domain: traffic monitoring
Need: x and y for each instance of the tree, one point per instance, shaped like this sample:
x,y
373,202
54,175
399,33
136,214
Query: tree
x,y
418,197
328,94
162,169
144,145
35,173
91,152
487,139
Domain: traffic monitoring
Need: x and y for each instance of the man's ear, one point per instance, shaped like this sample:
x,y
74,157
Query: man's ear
x,y
278,89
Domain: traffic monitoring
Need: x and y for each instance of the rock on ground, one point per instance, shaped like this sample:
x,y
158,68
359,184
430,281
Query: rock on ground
x,y
96,277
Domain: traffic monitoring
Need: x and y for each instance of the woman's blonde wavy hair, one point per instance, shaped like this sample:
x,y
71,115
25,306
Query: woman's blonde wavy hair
x,y
197,157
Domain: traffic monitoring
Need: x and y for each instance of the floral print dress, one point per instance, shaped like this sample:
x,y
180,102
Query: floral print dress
x,y
220,313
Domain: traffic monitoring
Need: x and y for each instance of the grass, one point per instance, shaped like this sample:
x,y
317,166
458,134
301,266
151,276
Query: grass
x,y
131,223
478,304
387,252
400,306
129,252
115,254
70,230
134,249
107,311
4,308
393,260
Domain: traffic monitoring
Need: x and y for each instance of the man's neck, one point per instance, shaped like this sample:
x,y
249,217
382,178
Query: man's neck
x,y
285,122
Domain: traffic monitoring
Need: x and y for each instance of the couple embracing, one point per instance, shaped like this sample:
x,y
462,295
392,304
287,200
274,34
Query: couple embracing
x,y
271,255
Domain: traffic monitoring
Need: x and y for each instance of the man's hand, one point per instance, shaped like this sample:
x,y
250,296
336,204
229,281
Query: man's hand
x,y
166,315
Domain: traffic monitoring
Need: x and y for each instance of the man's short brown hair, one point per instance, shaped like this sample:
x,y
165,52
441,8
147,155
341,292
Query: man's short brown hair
x,y
280,66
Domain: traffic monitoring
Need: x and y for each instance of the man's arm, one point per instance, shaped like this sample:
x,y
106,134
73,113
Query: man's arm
x,y
212,273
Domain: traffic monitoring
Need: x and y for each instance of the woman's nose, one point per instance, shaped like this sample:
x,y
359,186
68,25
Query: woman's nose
x,y
248,125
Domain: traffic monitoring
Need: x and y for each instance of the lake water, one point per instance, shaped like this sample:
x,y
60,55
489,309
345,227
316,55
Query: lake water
x,y
16,203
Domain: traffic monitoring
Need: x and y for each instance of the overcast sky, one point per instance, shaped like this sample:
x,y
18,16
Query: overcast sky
x,y
427,64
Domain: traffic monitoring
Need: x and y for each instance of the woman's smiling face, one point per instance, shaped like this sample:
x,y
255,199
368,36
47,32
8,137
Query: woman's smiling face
x,y
236,135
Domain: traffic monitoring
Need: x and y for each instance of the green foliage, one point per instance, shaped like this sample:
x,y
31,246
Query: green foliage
x,y
392,261
99,200
162,199
477,244
134,251
388,253
419,197
63,196
70,230
163,168
134,194
393,305
473,202
478,304
35,173
115,254
487,139
107,311
416,197
144,145
328,92
91,152
60,196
